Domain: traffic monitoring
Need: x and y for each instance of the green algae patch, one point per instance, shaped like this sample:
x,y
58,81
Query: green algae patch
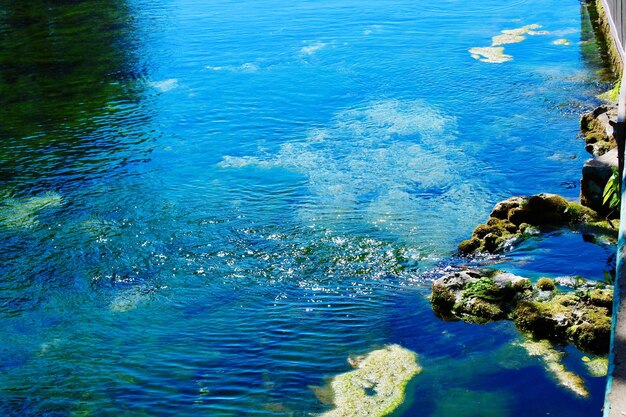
x,y
377,386
490,54
22,213
494,54
515,35
612,95
552,360
562,41
596,367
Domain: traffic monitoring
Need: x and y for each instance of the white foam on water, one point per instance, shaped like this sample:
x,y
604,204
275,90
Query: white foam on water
x,y
165,85
312,48
373,29
246,67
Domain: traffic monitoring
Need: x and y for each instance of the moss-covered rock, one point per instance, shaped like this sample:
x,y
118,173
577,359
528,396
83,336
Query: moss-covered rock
x,y
477,296
592,330
567,318
376,387
581,317
482,311
602,298
512,219
597,128
442,299
545,320
545,284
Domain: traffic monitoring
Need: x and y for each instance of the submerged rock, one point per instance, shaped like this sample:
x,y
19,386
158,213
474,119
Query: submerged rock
x,y
552,359
461,402
376,387
561,41
22,213
519,217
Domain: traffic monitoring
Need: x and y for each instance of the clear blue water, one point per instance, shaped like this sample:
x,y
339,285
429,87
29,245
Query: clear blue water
x,y
207,206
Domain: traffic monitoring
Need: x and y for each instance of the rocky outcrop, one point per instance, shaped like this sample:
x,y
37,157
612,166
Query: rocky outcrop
x,y
581,317
597,127
515,219
477,296
596,173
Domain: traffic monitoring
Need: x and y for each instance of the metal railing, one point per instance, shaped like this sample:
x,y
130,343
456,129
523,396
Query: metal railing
x,y
616,14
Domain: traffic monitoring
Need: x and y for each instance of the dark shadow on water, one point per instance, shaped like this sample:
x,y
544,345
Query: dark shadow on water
x,y
65,66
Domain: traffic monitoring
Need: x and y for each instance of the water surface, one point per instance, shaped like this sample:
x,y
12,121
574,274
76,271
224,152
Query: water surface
x,y
207,206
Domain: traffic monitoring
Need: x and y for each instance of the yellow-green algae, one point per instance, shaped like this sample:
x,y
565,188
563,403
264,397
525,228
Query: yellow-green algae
x,y
491,54
561,41
597,367
22,213
494,53
515,35
612,95
552,359
376,387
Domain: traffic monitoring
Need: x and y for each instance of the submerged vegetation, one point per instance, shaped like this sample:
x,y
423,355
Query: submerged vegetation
x,y
494,53
552,359
22,213
376,387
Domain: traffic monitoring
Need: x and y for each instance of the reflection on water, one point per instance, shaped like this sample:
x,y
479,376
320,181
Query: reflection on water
x,y
66,67
208,206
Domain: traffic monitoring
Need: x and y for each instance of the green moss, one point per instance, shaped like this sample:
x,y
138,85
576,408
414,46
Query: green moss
x,y
483,288
469,246
593,333
602,298
612,95
546,284
522,285
377,387
442,299
482,310
543,320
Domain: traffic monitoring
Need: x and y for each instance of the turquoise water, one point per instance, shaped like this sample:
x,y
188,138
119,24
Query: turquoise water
x,y
208,206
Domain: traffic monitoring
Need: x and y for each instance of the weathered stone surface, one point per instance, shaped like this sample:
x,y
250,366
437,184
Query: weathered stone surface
x,y
597,126
569,318
475,295
596,173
